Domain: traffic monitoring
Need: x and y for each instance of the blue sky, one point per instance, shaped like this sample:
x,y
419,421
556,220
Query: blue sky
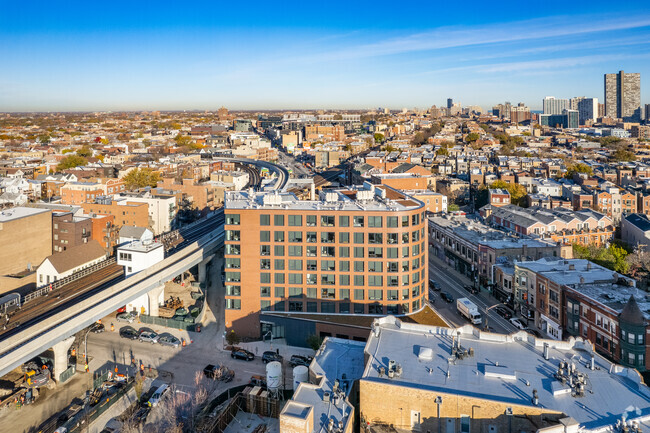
x,y
279,55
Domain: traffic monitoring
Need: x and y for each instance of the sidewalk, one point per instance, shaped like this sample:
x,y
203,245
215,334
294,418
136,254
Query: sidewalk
x,y
464,280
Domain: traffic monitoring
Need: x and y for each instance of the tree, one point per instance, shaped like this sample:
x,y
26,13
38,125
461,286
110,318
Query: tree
x,y
578,168
141,177
379,138
314,341
44,138
517,192
472,137
622,155
182,140
453,207
85,151
71,161
232,338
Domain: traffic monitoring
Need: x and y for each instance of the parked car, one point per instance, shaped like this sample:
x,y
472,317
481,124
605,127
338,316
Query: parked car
x,y
433,285
300,360
129,333
447,297
242,354
503,312
168,340
218,372
97,328
149,337
126,317
158,395
471,289
517,323
270,356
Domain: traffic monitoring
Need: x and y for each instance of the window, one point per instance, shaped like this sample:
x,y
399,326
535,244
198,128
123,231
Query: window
x,y
392,253
358,221
375,238
327,265
405,238
265,220
464,424
375,309
233,235
375,266
415,219
375,280
233,263
279,291
376,252
406,293
233,304
312,278
295,236
233,290
359,280
374,221
278,250
312,251
311,220
375,295
344,237
265,291
295,265
405,280
392,280
358,252
327,221
312,237
328,293
278,265
358,238
553,295
295,292
344,280
358,309
344,308
405,221
415,236
392,238
295,306
125,257
391,222
358,266
312,292
344,293
295,278
328,251
265,236
278,236
328,279
405,251
358,295
265,278
295,250
344,251
392,309
234,250
392,295
328,237
344,221
312,265
232,219
295,220
233,277
312,307
278,220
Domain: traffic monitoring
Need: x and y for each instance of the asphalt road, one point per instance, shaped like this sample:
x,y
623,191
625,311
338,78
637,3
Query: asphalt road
x,y
449,282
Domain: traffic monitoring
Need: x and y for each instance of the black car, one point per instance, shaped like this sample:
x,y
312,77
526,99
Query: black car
x,y
300,360
270,356
218,372
446,296
129,333
503,312
242,354
471,289
534,332
434,286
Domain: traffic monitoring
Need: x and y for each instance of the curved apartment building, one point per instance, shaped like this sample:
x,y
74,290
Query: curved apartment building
x,y
350,251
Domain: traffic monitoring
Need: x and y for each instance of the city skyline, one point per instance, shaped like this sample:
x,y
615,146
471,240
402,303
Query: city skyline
x,y
68,58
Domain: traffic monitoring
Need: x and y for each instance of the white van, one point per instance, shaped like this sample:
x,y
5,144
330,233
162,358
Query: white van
x,y
158,395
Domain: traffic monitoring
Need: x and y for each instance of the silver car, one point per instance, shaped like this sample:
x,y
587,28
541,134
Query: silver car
x,y
125,317
168,340
149,337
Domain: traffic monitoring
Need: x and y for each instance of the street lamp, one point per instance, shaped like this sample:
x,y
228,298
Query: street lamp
x,y
487,313
509,414
438,402
86,347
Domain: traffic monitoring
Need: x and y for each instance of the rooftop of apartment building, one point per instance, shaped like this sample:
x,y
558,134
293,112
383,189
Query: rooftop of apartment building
x,y
506,369
529,216
475,232
368,197
18,212
574,272
616,296
337,364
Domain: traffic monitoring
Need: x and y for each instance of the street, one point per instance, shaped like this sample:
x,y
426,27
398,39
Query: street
x,y
452,282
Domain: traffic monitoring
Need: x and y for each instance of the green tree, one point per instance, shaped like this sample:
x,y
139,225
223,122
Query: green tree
x,y
314,341
232,338
85,151
472,137
517,192
453,207
44,138
622,155
379,138
141,177
182,140
578,168
71,161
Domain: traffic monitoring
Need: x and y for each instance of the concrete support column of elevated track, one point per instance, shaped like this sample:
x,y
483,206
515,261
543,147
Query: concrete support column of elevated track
x,y
60,350
156,297
204,268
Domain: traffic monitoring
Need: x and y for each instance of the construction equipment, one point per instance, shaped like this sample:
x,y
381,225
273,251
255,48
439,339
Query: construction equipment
x,y
37,378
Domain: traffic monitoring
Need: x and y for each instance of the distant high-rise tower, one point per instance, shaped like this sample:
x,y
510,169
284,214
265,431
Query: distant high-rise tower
x,y
588,109
450,102
623,96
551,105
